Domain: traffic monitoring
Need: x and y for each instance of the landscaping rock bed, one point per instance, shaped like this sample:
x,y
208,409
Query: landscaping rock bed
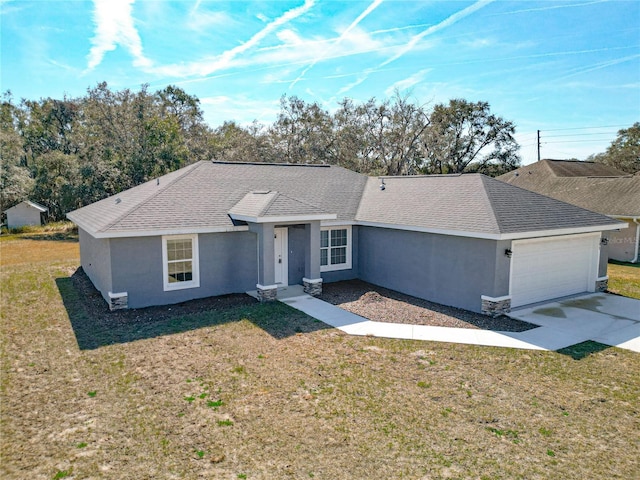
x,y
383,305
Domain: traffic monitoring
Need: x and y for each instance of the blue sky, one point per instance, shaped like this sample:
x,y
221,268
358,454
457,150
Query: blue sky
x,y
568,68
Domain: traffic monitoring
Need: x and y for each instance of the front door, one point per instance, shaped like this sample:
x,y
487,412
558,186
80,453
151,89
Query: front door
x,y
280,247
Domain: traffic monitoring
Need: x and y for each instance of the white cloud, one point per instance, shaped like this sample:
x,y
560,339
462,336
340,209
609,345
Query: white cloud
x,y
201,20
344,35
115,26
435,28
238,108
408,82
226,59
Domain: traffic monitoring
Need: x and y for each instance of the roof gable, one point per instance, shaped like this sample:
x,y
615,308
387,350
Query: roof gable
x,y
29,203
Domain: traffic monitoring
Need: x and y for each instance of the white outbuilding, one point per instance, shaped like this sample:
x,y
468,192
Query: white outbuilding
x,y
25,213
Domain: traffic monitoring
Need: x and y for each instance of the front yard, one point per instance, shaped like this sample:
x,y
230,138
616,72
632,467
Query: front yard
x,y
240,390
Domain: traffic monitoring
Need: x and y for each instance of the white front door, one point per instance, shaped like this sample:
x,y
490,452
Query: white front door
x,y
280,247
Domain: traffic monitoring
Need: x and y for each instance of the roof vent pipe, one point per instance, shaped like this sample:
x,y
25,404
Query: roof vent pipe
x,y
382,185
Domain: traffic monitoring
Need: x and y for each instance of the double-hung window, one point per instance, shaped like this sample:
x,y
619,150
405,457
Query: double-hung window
x,y
180,262
335,248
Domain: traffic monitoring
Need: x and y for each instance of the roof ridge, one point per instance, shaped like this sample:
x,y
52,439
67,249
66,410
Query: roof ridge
x,y
274,164
273,199
484,179
300,201
188,169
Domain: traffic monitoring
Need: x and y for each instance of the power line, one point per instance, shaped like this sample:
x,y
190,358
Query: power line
x,y
585,128
572,141
580,134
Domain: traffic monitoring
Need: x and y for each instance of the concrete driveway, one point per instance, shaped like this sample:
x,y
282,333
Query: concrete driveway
x,y
604,318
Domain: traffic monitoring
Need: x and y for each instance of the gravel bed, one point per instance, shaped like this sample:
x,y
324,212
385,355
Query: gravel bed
x,y
384,305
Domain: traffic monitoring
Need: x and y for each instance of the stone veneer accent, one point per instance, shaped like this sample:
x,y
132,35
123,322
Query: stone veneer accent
x,y
602,284
118,301
267,293
312,287
496,306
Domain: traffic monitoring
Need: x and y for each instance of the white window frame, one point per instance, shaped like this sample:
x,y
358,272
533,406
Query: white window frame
x,y
348,246
195,263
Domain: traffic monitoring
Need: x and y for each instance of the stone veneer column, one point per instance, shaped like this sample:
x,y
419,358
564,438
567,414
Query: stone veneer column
x,y
312,287
496,306
118,301
602,283
267,293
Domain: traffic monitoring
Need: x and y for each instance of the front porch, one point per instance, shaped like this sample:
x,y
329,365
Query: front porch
x,y
288,242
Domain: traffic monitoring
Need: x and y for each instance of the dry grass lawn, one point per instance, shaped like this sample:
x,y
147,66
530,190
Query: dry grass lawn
x,y
264,392
624,279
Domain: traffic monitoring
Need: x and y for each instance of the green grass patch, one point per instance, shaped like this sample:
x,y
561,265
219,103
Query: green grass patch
x,y
624,279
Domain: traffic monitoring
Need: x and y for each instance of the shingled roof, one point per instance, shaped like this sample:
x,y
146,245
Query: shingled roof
x,y
198,198
214,196
267,206
469,205
589,185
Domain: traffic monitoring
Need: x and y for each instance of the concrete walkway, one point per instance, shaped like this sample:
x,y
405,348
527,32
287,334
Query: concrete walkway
x,y
603,318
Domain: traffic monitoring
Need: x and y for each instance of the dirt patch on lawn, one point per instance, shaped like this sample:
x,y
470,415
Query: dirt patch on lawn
x,y
384,305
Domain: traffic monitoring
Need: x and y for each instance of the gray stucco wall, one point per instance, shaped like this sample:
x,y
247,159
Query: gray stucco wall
x,y
95,257
228,264
449,270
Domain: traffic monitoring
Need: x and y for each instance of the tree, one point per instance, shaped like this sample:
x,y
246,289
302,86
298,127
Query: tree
x,y
624,151
302,133
234,143
466,137
380,138
15,179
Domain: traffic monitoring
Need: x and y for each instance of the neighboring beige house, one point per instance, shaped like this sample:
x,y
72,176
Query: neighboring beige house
x,y
593,186
25,213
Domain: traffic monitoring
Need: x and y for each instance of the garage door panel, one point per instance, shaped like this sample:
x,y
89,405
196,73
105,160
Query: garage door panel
x,y
548,268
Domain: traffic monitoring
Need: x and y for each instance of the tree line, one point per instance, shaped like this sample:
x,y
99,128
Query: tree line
x,y
71,152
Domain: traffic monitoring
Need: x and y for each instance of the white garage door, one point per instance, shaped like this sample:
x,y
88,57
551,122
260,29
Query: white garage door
x,y
547,268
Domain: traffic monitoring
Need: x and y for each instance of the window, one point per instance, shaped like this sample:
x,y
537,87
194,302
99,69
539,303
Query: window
x,y
180,262
335,248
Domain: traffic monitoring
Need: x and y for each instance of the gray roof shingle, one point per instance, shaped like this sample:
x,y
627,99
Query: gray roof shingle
x,y
586,184
263,203
202,196
469,204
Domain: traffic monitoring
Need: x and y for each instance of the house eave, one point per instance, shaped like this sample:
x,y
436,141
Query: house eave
x,y
497,236
283,218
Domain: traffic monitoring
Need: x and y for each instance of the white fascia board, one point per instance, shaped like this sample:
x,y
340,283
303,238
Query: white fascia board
x,y
559,231
495,236
337,223
38,207
160,232
284,218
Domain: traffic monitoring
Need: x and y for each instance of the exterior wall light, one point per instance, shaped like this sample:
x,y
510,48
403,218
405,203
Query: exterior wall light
x,y
508,252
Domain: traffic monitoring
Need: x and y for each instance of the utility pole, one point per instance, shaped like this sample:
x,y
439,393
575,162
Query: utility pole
x,y
538,145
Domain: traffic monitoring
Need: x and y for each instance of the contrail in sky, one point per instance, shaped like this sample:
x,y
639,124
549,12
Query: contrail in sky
x,y
369,9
